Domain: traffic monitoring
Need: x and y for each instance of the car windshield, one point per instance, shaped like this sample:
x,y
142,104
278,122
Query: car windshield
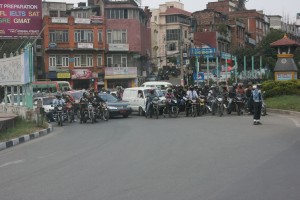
x,y
47,101
156,91
76,95
108,98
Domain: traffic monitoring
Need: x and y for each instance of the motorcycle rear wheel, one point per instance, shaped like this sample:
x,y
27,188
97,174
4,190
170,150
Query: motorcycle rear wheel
x,y
105,115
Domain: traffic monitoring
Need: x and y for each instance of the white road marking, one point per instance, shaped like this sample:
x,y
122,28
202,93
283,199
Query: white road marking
x,y
11,163
296,122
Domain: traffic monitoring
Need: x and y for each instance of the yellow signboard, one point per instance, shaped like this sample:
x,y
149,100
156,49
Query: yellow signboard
x,y
63,75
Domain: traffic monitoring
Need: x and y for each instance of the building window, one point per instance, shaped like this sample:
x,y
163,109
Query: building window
x,y
116,60
59,36
171,19
83,15
63,14
84,36
99,60
116,36
117,14
172,47
83,61
53,13
100,38
59,60
173,34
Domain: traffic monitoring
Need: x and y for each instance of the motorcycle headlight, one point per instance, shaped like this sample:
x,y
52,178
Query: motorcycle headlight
x,y
59,108
220,99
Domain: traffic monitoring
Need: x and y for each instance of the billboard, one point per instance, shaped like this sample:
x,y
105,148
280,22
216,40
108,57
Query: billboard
x,y
20,18
15,70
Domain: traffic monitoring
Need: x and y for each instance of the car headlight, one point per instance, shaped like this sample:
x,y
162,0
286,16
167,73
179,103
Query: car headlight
x,y
112,108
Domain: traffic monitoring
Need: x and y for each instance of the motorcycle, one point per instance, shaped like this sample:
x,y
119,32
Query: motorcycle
x,y
89,113
70,112
103,111
202,105
191,107
153,108
172,109
236,104
220,105
59,115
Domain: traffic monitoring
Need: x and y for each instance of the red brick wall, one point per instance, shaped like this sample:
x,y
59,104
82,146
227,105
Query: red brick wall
x,y
205,38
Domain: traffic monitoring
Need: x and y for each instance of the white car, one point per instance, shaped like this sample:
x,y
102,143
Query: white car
x,y
46,103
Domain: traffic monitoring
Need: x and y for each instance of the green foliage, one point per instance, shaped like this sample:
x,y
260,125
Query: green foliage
x,y
287,102
279,88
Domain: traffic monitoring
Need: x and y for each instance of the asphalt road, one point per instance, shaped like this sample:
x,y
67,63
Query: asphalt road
x,y
204,158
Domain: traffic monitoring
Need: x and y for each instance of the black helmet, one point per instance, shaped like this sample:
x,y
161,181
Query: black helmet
x,y
169,89
85,94
58,95
191,87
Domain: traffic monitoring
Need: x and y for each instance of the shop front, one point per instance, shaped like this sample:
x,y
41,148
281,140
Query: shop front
x,y
84,79
120,76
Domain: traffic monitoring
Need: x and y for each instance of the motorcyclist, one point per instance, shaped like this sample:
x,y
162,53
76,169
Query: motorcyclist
x,y
240,90
191,94
58,100
84,100
150,98
169,96
249,99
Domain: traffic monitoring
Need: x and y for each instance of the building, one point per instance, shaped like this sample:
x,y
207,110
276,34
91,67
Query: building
x,y
128,43
74,44
170,26
292,29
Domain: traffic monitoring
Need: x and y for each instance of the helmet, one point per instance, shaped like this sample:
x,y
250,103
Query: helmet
x,y
191,87
169,89
85,94
151,91
58,95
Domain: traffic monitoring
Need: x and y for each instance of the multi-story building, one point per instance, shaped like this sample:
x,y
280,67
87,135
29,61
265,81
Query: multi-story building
x,y
128,37
292,29
74,44
170,26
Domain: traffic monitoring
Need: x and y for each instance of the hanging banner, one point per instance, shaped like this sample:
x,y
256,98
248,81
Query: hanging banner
x,y
20,18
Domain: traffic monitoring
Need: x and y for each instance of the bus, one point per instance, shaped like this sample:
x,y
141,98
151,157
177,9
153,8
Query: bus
x,y
51,86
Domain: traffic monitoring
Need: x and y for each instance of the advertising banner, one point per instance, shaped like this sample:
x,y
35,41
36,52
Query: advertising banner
x,y
205,52
81,74
15,70
20,18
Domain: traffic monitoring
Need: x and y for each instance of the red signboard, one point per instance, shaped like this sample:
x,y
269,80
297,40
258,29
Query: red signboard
x,y
81,74
20,18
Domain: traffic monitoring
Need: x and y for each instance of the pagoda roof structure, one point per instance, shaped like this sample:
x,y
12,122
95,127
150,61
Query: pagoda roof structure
x,y
285,41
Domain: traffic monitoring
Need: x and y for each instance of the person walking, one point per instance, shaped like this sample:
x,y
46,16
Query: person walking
x,y
257,104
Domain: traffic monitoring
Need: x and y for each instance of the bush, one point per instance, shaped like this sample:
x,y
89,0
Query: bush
x,y
279,88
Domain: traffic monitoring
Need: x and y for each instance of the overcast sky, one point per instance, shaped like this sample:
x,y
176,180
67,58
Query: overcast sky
x,y
285,8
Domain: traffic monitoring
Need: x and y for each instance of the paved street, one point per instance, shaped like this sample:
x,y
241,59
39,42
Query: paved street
x,y
204,158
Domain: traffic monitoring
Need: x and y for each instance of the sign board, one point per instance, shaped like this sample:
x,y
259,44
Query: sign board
x,y
118,47
96,19
200,76
205,52
15,70
111,71
82,21
20,18
64,75
81,74
59,20
284,76
85,45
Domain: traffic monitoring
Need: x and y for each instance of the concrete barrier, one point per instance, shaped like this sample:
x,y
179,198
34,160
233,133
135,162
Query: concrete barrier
x,y
7,121
21,111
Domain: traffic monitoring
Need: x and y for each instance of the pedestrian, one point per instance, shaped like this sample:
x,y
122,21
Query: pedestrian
x,y
257,104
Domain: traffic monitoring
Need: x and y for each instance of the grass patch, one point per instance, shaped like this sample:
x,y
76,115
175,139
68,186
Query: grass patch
x,y
286,102
22,127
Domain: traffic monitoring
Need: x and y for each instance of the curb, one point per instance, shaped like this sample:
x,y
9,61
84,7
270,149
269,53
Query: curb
x,y
284,112
26,138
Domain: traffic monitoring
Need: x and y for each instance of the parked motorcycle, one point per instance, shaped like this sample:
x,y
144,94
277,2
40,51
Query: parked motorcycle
x,y
202,105
191,107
